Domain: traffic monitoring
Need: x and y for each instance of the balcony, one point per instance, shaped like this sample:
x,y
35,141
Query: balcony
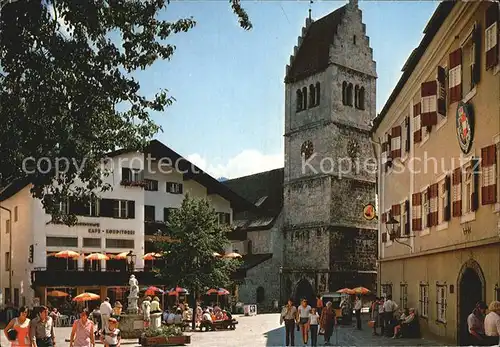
x,y
73,278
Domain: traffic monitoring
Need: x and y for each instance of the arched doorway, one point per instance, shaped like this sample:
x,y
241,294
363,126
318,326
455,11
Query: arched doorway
x,y
471,289
304,290
260,295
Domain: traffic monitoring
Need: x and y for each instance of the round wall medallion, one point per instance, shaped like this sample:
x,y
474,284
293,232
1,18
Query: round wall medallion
x,y
465,126
307,149
369,212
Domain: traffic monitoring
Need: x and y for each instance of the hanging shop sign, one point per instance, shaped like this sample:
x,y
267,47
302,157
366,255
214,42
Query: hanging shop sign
x,y
465,126
369,212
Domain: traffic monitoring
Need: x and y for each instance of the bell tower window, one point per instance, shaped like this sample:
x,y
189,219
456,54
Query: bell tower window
x,y
312,96
317,93
299,100
349,94
304,98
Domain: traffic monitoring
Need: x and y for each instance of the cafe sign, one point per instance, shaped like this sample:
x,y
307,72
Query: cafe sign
x,y
465,126
111,231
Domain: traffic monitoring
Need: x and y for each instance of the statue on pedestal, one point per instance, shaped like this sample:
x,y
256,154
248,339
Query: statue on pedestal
x,y
133,296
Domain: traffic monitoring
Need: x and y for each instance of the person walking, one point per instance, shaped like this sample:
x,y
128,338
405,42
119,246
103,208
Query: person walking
x,y
21,326
289,317
328,321
313,326
475,323
42,329
492,323
82,333
106,311
303,318
111,337
319,304
389,308
381,316
357,309
374,315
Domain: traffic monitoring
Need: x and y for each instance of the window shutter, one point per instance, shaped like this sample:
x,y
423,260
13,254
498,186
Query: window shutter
x,y
407,221
396,142
384,237
455,76
476,69
429,195
475,181
388,163
457,192
407,142
488,169
417,211
491,36
169,187
131,209
126,174
107,207
384,217
428,93
181,188
433,204
396,210
441,88
447,207
417,128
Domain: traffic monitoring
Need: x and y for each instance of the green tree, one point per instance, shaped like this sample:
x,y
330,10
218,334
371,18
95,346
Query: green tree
x,y
67,88
189,258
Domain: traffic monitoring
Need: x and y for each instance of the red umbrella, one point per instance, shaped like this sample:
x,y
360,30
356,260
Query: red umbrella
x,y
219,291
153,290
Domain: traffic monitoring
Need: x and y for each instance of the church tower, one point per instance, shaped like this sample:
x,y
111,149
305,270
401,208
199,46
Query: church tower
x,y
329,176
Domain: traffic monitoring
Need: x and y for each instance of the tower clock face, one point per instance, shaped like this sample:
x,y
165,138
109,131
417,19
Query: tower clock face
x,y
307,149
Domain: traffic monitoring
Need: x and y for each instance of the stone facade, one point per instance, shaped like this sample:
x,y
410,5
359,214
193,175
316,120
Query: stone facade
x,y
327,242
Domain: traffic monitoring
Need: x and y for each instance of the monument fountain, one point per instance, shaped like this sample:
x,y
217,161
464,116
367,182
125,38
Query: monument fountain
x,y
132,323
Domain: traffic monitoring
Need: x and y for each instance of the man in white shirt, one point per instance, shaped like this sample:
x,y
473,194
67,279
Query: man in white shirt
x,y
106,311
389,308
357,308
492,323
206,321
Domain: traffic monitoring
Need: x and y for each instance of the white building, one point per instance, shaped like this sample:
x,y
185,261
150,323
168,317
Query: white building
x,y
145,187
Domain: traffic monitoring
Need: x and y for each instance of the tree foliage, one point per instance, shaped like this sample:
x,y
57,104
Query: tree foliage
x,y
189,259
67,88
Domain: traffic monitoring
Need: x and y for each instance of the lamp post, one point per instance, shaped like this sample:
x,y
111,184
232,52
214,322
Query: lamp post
x,y
281,295
131,257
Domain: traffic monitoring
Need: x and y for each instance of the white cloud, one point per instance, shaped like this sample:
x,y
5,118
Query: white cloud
x,y
247,162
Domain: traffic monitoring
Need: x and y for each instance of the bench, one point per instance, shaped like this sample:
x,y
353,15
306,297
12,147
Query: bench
x,y
221,324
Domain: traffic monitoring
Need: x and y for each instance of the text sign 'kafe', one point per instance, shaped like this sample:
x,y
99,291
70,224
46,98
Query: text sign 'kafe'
x,y
112,231
465,126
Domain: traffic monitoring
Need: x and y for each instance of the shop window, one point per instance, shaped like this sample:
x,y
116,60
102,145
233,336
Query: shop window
x,y
120,243
52,241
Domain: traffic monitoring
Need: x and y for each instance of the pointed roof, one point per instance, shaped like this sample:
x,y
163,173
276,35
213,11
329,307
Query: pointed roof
x,y
313,54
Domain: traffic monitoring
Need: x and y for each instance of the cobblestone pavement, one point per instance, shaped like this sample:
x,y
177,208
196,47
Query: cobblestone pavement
x,y
264,330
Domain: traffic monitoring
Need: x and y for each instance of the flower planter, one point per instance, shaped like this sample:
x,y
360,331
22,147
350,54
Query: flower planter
x,y
163,341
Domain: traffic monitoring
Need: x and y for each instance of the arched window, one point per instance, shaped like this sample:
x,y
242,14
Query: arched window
x,y
356,92
312,96
344,93
260,295
317,93
361,98
299,100
349,94
354,39
304,98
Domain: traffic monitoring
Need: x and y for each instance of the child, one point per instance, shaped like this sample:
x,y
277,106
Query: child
x,y
111,337
313,326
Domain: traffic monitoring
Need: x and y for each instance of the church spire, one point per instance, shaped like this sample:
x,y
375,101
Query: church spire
x,y
310,9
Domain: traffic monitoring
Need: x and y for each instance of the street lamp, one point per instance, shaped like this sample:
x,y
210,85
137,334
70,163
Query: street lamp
x,y
281,275
392,226
131,257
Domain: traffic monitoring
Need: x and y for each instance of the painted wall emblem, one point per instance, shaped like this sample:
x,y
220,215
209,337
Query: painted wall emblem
x,y
465,126
369,212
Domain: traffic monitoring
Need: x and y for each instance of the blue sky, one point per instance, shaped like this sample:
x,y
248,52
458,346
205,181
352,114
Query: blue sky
x,y
229,113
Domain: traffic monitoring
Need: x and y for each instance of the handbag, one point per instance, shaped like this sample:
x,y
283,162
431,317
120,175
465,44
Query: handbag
x,y
12,334
371,323
321,331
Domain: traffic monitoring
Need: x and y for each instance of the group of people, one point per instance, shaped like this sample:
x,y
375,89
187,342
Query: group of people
x,y
307,319
484,329
391,320
178,315
39,332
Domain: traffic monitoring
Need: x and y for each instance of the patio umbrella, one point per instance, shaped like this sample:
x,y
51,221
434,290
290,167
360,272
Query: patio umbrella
x,y
346,291
218,291
361,290
121,256
153,290
57,293
232,255
151,256
86,297
97,256
67,254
